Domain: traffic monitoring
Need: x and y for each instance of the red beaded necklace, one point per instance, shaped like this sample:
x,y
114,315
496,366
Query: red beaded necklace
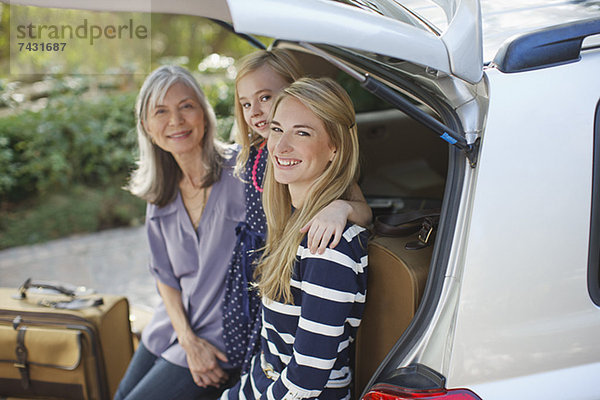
x,y
255,167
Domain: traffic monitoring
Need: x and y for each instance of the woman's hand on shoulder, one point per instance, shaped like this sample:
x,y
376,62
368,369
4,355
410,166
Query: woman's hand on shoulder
x,y
327,226
202,360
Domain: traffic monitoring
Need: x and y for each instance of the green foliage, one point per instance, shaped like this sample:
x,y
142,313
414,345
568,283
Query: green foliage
x,y
70,141
79,209
4,45
189,39
179,39
7,178
220,95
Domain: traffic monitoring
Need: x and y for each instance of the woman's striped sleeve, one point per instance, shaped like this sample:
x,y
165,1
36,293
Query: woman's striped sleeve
x,y
332,289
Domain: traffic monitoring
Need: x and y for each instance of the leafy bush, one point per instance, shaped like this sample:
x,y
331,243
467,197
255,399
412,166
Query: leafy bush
x,y
69,142
79,209
220,95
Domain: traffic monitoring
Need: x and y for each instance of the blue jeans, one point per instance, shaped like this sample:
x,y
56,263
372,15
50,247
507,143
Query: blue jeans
x,y
149,377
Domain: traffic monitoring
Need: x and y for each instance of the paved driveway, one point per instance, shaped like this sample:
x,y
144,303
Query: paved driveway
x,y
112,261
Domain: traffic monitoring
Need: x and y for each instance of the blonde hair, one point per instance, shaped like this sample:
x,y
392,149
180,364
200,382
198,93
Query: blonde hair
x,y
157,176
332,105
283,63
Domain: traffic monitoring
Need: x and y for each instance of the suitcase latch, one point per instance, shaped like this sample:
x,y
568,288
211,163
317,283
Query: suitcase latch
x,y
16,322
425,234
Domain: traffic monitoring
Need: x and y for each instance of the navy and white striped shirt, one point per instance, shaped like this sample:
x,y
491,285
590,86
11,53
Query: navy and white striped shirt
x,y
307,344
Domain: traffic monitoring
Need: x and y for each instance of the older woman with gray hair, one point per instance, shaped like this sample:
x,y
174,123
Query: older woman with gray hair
x,y
194,206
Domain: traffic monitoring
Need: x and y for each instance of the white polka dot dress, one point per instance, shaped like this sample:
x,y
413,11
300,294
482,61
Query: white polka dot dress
x,y
241,306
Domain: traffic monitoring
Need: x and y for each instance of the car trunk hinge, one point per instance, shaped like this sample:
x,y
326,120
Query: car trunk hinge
x,y
386,93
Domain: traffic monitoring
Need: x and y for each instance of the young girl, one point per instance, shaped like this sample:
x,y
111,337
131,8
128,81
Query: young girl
x,y
312,303
261,76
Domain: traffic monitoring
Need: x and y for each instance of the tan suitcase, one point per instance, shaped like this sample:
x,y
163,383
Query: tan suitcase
x,y
398,269
48,353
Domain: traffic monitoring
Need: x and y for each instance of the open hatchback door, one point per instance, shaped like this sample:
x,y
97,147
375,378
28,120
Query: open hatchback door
x,y
384,27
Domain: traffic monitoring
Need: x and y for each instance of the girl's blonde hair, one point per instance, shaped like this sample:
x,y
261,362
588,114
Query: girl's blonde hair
x,y
332,105
157,176
283,63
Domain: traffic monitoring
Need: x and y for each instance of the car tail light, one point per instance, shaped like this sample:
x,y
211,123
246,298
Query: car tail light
x,y
390,392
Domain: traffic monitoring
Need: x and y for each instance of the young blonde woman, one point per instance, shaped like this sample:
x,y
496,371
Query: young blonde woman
x,y
261,77
312,303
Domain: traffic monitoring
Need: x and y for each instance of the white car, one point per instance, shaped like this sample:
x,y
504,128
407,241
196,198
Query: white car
x,y
507,141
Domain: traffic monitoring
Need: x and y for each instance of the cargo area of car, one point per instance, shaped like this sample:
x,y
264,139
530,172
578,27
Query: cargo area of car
x,y
404,165
404,170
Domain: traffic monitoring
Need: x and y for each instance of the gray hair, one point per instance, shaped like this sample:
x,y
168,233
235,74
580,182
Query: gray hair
x,y
157,175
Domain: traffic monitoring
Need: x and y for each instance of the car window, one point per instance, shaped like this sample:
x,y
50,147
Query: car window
x,y
594,252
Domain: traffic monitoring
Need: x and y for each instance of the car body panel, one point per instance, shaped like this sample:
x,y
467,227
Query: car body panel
x,y
524,305
503,20
578,383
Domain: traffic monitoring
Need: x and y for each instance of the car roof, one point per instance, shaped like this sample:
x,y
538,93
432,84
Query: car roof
x,y
504,19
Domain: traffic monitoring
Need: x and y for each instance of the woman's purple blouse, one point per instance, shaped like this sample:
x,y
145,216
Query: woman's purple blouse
x,y
194,262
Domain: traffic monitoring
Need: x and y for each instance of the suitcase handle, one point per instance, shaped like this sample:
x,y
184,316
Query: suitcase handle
x,y
405,224
60,287
423,221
